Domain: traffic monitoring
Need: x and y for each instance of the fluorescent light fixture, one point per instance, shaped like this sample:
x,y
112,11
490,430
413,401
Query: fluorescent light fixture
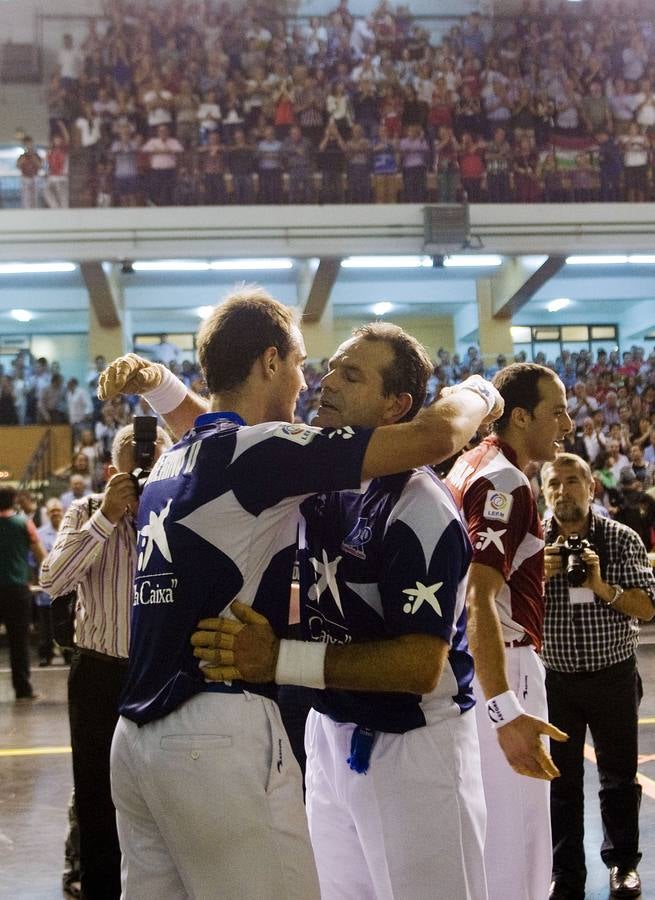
x,y
472,261
642,259
36,268
204,311
556,305
382,308
386,262
171,265
615,260
232,265
21,315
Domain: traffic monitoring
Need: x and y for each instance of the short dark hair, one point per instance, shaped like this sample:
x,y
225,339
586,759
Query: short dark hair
x,y
518,385
411,368
7,497
237,332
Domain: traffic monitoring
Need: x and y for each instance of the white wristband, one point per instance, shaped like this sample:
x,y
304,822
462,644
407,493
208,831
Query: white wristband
x,y
301,662
504,708
482,388
168,396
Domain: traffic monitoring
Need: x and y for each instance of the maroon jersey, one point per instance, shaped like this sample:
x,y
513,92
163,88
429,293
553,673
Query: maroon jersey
x,y
505,531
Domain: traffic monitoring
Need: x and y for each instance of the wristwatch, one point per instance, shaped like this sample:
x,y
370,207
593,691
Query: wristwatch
x,y
618,590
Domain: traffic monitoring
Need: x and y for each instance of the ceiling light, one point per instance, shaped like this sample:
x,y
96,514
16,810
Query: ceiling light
x,y
170,265
556,305
616,260
204,311
471,261
36,268
230,265
21,315
382,308
386,262
642,259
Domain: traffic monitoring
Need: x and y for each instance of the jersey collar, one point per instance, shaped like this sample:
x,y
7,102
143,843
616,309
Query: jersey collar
x,y
211,417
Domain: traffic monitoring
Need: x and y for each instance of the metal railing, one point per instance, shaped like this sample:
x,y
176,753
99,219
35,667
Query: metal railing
x,y
39,467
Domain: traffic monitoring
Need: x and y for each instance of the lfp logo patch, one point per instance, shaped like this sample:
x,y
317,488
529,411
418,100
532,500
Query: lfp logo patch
x,y
498,506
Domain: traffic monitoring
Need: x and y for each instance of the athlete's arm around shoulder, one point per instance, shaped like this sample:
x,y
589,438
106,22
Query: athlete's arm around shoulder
x,y
436,433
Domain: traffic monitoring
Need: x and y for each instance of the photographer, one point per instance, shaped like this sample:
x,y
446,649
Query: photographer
x,y
598,586
95,552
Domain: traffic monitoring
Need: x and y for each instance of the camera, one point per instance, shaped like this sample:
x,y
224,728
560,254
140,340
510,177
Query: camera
x,y
144,442
574,565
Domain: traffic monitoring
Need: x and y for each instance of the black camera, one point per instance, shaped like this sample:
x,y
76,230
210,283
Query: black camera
x,y
144,442
571,553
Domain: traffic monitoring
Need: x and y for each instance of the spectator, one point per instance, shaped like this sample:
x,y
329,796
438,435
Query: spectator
x,y
47,535
78,488
581,405
332,160
414,154
241,162
209,117
470,159
213,165
18,536
446,164
269,167
526,172
69,61
296,152
52,408
126,178
610,160
163,151
358,156
636,156
159,103
79,407
635,507
8,411
385,167
498,157
29,165
583,178
56,186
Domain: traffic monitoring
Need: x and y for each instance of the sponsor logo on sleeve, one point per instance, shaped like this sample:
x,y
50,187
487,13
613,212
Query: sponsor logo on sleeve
x,y
299,434
498,506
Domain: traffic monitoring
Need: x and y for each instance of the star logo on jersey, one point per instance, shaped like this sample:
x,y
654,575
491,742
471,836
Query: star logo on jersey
x,y
346,433
327,580
422,594
485,538
155,535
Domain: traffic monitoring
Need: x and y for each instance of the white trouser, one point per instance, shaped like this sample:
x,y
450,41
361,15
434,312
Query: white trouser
x,y
55,193
209,804
518,852
412,827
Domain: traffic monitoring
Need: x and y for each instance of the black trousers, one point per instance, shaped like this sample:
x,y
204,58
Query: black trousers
x,y
608,702
16,613
94,687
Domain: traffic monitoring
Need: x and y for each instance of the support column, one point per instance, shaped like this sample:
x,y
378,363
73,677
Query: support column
x,y
106,311
494,334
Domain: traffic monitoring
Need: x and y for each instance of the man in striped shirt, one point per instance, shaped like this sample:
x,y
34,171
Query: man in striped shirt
x,y
95,552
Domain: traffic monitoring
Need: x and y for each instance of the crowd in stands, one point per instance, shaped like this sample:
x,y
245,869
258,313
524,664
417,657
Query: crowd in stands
x,y
192,101
611,402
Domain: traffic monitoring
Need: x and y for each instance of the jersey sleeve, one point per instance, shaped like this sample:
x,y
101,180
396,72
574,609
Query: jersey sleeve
x,y
426,554
279,460
497,522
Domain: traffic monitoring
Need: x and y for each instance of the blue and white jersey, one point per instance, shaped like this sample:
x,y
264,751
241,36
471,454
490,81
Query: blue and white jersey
x,y
377,564
218,519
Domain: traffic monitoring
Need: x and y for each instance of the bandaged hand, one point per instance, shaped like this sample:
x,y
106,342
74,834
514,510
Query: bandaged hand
x,y
129,374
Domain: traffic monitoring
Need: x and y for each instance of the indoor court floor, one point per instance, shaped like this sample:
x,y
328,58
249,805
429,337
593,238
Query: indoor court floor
x,y
36,780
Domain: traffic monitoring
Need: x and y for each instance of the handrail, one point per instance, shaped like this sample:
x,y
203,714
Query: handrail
x,y
39,466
